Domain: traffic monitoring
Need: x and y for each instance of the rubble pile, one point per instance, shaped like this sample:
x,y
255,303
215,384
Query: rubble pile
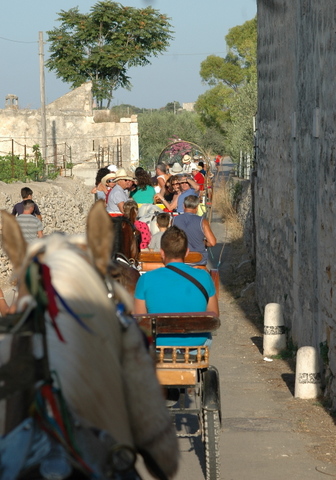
x,y
64,204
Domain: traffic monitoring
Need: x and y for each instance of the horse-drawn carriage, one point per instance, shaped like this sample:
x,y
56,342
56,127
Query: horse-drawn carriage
x,y
192,384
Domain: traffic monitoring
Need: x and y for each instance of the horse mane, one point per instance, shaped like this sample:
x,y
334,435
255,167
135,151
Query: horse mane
x,y
125,236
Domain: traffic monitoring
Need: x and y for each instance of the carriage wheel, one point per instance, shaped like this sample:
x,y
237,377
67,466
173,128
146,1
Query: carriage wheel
x,y
210,435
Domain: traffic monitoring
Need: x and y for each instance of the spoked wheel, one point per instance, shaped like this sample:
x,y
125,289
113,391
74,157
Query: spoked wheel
x,y
210,436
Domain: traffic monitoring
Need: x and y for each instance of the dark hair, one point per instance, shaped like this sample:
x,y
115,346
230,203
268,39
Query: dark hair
x,y
28,204
173,178
163,220
201,164
25,192
174,243
138,169
101,173
143,179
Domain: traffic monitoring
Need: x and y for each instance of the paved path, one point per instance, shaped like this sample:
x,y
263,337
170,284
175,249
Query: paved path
x,y
259,436
259,439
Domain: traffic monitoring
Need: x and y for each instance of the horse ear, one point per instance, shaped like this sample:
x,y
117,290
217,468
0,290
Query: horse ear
x,y
13,242
133,214
100,235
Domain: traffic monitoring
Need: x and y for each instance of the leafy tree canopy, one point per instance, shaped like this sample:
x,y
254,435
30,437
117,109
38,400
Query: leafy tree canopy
x,y
240,62
173,106
232,101
213,107
100,46
239,132
159,128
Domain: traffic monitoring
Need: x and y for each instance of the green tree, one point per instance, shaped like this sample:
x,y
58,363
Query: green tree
x,y
239,132
240,62
213,107
157,129
100,46
172,107
232,101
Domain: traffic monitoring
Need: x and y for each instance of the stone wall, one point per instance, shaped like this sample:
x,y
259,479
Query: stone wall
x,y
296,180
72,132
64,204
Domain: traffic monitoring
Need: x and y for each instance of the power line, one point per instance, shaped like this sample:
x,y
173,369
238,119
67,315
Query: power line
x,y
184,54
165,54
15,41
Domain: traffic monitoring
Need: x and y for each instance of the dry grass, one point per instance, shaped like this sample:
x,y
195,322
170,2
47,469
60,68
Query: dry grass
x,y
223,204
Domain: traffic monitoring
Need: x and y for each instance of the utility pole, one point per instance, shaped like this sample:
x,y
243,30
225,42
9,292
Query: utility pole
x,y
42,99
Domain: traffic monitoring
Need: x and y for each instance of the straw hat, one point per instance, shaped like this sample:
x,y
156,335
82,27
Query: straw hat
x,y
176,168
186,158
107,177
121,174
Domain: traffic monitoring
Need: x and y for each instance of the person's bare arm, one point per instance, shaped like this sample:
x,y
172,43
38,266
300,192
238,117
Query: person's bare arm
x,y
210,237
213,305
39,217
40,233
121,206
172,205
140,306
161,183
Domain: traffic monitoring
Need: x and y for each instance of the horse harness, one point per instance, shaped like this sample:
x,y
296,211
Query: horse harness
x,y
29,375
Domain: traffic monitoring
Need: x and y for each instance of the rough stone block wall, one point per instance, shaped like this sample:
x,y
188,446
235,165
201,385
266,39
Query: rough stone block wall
x,y
296,180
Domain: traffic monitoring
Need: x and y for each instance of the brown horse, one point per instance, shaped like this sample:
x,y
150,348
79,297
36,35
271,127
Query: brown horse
x,y
125,251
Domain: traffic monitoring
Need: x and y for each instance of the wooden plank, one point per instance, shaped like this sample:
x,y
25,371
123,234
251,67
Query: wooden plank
x,y
179,323
177,377
149,266
155,257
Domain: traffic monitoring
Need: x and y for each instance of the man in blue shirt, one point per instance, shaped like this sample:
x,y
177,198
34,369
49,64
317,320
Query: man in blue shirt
x,y
188,187
165,290
197,228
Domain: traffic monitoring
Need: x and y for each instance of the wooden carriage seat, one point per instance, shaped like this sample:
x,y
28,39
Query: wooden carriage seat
x,y
178,365
152,260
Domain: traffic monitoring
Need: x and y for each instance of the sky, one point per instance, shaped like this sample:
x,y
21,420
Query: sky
x,y
200,27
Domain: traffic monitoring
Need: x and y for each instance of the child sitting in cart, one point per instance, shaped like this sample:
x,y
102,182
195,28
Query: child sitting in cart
x,y
163,221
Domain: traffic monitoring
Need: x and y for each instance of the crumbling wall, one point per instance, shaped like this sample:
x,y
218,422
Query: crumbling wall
x,y
72,133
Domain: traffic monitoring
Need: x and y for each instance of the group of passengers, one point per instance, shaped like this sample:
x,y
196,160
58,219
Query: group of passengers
x,y
190,289
176,191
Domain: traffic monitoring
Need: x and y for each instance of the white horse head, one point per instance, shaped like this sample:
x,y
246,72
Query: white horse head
x,y
106,374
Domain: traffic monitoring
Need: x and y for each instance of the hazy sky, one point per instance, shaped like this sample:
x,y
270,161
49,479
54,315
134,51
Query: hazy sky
x,y
199,25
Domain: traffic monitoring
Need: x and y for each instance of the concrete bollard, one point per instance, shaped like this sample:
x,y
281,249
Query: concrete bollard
x,y
274,330
307,375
